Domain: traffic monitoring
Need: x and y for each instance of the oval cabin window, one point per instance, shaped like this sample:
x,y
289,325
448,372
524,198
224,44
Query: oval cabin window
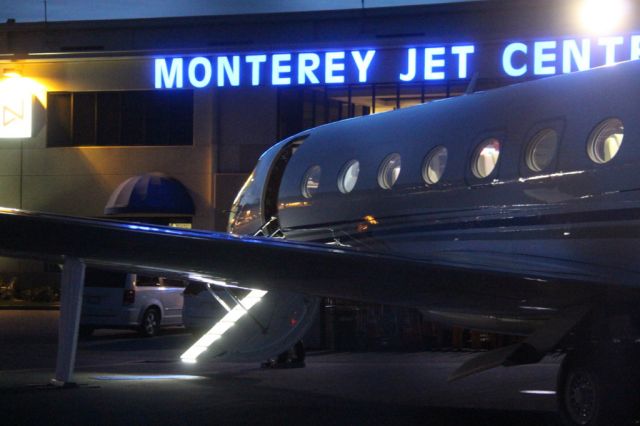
x,y
605,141
485,158
434,165
311,181
348,176
541,151
389,171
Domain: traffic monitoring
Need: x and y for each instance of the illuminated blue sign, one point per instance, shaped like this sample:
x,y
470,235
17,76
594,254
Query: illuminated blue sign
x,y
305,68
280,69
548,57
414,64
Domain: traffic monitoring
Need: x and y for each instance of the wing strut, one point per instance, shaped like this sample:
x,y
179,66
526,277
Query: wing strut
x,y
71,286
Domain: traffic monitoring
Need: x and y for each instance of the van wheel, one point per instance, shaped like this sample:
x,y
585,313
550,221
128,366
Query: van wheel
x,y
150,322
596,390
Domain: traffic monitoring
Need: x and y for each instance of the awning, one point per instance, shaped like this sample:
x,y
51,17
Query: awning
x,y
151,193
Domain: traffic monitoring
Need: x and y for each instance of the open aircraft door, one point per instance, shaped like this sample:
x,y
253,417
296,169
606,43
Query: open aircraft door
x,y
255,325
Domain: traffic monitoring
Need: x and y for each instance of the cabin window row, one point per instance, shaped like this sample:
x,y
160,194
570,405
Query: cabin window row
x,y
603,144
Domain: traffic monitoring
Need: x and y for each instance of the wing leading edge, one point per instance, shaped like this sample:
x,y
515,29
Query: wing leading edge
x,y
272,264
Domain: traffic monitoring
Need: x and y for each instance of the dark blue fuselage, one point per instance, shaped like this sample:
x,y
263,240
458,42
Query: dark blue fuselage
x,y
575,220
576,217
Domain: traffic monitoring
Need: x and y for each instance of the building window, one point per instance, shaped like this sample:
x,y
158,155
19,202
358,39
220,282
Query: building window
x,y
125,118
301,108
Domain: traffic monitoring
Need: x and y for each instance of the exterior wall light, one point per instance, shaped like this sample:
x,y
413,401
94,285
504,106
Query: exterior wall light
x,y
603,16
11,73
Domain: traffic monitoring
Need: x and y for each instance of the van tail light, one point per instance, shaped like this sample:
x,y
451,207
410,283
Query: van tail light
x,y
129,297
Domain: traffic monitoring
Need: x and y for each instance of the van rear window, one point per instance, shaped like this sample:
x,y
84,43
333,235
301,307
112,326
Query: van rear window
x,y
147,281
103,278
171,282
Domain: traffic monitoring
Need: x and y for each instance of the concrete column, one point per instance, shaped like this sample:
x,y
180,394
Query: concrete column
x,y
70,307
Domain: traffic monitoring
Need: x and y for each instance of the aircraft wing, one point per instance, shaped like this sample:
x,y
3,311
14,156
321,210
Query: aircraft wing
x,y
272,264
314,269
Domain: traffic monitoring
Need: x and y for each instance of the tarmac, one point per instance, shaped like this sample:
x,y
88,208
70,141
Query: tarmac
x,y
128,380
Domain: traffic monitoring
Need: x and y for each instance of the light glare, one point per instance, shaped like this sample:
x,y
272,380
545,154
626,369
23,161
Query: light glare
x,y
11,73
537,392
120,377
603,16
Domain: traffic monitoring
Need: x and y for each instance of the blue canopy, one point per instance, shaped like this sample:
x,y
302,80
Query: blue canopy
x,y
151,193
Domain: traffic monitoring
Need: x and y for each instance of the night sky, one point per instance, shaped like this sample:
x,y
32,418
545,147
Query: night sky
x,y
73,10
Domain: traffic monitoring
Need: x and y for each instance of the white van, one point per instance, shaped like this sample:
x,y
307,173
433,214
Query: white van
x,y
114,299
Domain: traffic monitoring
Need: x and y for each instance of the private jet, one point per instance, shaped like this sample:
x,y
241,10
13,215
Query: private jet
x,y
514,211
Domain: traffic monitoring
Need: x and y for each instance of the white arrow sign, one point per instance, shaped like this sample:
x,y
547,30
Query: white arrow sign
x,y
15,111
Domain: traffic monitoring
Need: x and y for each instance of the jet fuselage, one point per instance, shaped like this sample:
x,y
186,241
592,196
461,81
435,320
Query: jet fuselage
x,y
577,217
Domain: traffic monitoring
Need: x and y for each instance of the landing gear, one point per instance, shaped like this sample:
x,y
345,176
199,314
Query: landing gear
x,y
597,386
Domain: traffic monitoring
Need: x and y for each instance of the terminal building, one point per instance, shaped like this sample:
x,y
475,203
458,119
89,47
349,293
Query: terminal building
x,y
161,120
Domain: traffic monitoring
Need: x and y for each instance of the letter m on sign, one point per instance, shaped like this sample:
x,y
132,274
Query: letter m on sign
x,y
168,76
